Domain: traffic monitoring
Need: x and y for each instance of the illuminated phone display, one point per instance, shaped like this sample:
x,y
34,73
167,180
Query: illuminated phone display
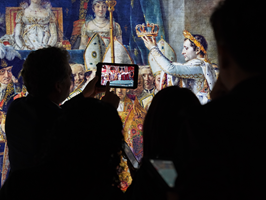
x,y
166,169
119,75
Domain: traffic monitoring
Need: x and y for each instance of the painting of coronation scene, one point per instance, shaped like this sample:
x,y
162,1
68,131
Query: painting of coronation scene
x,y
170,45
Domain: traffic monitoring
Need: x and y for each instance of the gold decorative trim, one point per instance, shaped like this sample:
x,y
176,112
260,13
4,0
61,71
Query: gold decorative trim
x,y
111,5
76,90
3,63
146,99
190,76
58,13
9,91
82,9
92,54
147,96
189,36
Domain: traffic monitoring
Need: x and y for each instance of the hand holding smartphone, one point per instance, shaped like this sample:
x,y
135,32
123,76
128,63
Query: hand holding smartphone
x,y
91,89
110,97
119,75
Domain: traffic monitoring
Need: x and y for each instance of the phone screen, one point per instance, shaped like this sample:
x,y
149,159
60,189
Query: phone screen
x,y
118,75
130,156
166,169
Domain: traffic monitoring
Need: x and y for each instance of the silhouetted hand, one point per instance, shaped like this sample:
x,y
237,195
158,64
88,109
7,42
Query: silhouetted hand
x,y
91,90
110,97
149,43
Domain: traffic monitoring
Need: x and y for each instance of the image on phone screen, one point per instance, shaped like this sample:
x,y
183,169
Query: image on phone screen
x,y
117,75
166,169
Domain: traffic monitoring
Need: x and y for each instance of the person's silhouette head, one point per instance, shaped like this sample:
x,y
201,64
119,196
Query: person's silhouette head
x,y
46,73
239,43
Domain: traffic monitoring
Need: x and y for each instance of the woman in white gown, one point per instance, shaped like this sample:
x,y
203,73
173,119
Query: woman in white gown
x,y
100,24
35,27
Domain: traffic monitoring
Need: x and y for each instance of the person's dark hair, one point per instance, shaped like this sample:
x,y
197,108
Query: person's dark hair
x,y
201,40
43,68
236,23
160,127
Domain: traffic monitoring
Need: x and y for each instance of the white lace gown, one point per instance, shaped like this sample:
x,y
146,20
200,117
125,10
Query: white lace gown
x,y
104,33
33,33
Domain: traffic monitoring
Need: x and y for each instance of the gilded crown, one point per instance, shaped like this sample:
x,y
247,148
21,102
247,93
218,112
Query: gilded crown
x,y
150,30
3,63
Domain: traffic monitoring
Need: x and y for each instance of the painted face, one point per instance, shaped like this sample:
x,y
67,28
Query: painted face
x,y
78,73
6,75
148,78
157,81
100,9
121,93
188,51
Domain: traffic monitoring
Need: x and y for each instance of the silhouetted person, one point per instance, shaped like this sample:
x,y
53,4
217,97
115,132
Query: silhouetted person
x,y
82,161
160,128
160,135
40,134
227,136
47,76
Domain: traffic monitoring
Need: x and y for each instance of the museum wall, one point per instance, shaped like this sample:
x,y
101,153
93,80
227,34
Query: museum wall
x,y
173,14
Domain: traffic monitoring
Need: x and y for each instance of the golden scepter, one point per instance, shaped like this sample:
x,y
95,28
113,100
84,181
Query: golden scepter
x,y
111,7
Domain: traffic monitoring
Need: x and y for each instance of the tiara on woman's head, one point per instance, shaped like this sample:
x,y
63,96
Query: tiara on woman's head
x,y
96,1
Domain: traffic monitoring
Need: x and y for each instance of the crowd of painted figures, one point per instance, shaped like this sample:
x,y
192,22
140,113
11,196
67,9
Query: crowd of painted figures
x,y
197,73
27,36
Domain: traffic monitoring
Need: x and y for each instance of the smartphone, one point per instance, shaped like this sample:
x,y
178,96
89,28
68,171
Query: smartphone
x,y
166,170
119,75
130,156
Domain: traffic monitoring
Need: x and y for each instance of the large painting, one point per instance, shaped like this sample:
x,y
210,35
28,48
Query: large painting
x,y
185,54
